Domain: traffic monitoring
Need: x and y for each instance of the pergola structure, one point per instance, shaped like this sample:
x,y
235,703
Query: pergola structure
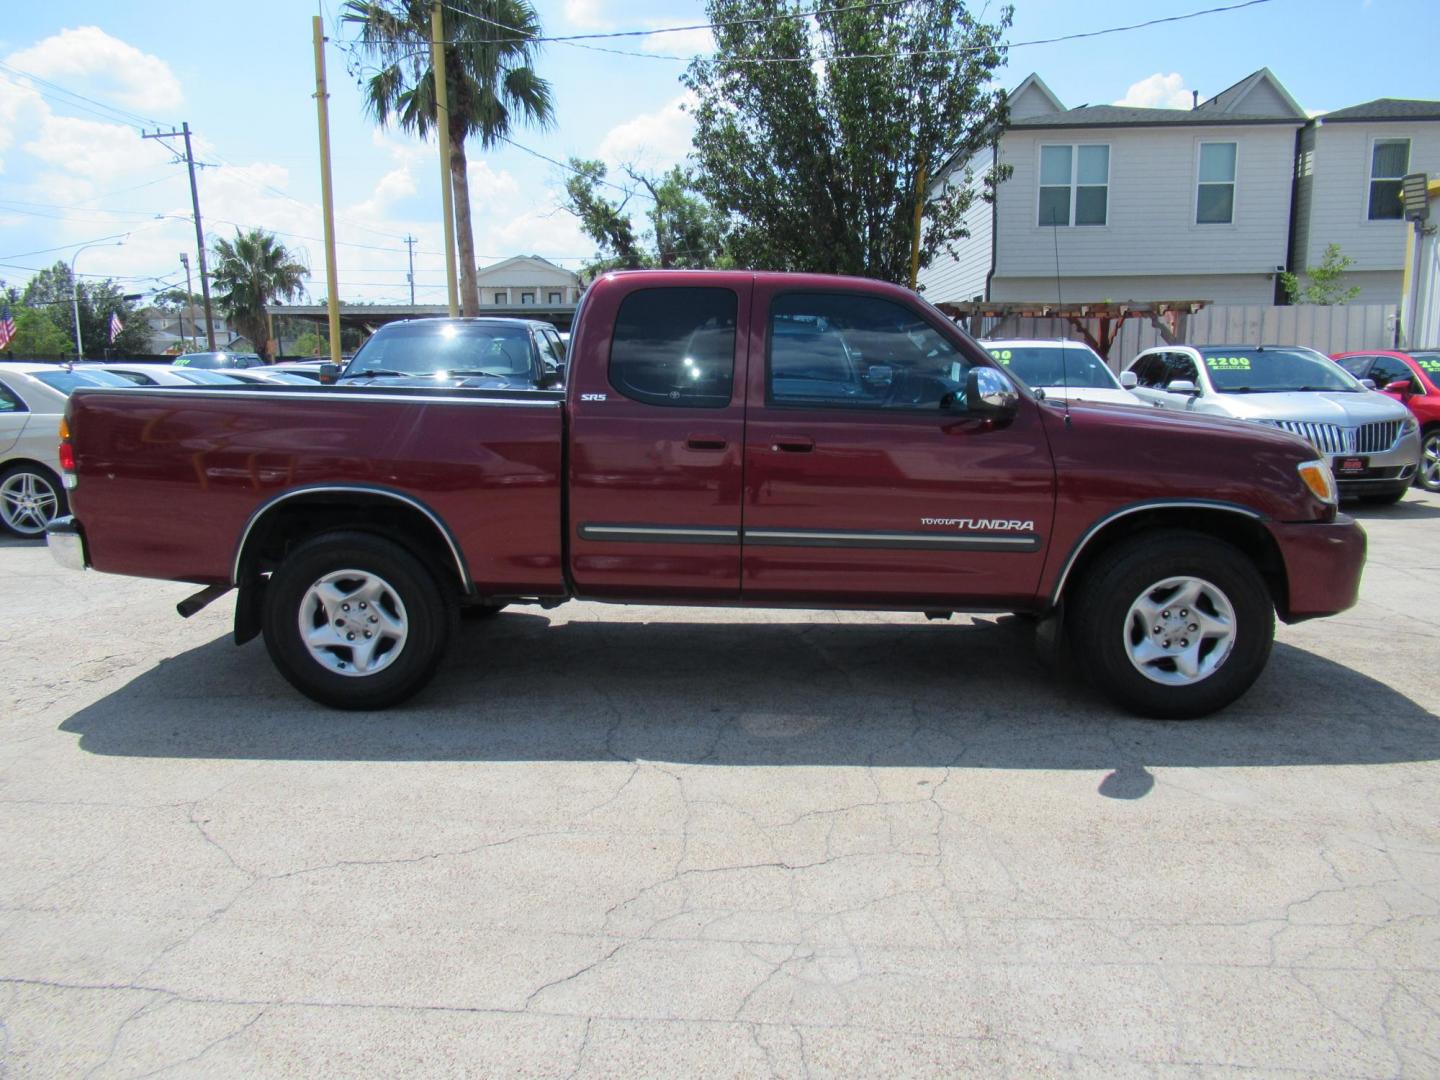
x,y
1167,316
370,317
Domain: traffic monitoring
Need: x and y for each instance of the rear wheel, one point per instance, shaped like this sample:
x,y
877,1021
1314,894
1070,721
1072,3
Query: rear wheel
x,y
1428,475
30,498
355,621
1173,624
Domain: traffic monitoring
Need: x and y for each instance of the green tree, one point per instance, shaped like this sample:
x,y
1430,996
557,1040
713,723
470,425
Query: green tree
x,y
816,164
491,45
1323,283
51,293
250,273
36,336
683,231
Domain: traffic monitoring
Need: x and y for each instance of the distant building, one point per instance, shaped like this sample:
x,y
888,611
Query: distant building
x,y
527,281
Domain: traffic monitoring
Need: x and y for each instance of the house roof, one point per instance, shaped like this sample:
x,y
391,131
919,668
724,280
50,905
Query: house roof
x,y
1126,116
1233,98
1385,109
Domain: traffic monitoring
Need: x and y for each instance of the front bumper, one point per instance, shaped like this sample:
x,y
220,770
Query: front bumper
x,y
1386,471
1323,564
66,541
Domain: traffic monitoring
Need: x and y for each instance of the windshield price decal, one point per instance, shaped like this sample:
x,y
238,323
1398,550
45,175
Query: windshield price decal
x,y
1003,355
1432,366
1228,363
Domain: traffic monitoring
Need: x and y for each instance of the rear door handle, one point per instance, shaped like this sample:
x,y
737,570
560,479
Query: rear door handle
x,y
705,442
793,444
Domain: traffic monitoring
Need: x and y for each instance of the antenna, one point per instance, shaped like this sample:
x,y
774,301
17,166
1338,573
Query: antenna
x,y
1059,302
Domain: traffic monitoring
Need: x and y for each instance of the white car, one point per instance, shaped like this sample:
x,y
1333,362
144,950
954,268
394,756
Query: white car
x,y
1063,369
32,402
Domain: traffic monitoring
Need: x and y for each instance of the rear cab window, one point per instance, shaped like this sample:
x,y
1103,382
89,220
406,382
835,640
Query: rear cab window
x,y
10,401
675,347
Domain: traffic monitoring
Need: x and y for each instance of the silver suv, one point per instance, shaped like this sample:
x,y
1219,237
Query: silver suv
x,y
1371,441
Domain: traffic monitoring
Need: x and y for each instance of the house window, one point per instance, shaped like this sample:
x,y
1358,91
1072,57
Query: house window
x,y
1389,161
555,298
1074,185
527,298
1215,195
502,298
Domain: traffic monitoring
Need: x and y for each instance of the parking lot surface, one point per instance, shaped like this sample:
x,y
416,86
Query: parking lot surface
x,y
634,841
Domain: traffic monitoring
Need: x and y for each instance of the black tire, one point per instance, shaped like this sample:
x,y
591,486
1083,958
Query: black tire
x,y
426,612
29,520
1101,630
1385,498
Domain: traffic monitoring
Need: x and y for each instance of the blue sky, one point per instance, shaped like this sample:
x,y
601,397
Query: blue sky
x,y
73,170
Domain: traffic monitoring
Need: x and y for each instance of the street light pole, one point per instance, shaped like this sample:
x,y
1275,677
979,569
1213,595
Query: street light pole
x,y
185,262
75,290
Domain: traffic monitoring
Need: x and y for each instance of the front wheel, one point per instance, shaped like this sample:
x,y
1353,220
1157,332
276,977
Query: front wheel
x,y
355,621
1173,624
1428,475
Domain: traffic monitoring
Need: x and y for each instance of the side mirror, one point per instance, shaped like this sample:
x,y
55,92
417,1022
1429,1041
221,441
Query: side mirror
x,y
1369,384
329,374
1399,386
989,394
1183,386
1129,380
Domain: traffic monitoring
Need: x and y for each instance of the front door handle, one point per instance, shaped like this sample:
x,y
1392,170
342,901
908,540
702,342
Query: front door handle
x,y
793,444
705,442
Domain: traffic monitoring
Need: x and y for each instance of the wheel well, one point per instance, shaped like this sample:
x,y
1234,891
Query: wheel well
x,y
10,463
290,523
1238,530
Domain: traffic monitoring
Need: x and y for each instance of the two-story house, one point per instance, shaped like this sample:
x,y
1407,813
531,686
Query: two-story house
x,y
1347,188
1107,202
525,281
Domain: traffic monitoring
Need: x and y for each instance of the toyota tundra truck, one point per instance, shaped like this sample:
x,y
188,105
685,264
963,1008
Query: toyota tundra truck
x,y
723,438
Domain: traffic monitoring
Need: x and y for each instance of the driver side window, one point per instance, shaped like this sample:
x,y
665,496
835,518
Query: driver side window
x,y
840,350
1181,366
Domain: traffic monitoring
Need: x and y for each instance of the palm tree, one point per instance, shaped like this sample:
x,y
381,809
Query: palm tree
x,y
251,272
490,45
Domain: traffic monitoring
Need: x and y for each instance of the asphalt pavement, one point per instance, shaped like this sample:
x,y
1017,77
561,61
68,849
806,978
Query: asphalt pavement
x,y
638,841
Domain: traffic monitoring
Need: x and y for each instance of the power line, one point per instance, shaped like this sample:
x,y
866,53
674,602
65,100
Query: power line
x,y
125,115
573,169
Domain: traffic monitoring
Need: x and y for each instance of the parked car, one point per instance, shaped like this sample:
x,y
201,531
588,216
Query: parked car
x,y
306,369
162,374
1063,369
1371,442
270,374
679,466
218,359
1413,379
32,402
484,353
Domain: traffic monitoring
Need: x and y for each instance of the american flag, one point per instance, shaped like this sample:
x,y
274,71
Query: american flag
x,y
7,327
115,325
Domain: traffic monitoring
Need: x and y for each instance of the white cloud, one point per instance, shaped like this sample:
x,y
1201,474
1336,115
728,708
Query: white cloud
x,y
1158,92
586,14
20,106
91,148
653,140
122,72
680,43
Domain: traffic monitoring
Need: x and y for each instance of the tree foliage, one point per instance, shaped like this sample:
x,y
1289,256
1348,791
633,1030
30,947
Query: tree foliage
x,y
251,272
489,79
816,164
682,229
1324,283
49,295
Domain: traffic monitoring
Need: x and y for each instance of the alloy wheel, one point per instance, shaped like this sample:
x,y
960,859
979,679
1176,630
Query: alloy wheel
x,y
28,502
1179,631
353,622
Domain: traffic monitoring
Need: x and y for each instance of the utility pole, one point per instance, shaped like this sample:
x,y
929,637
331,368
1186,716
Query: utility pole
x,y
410,277
442,129
185,262
199,227
327,196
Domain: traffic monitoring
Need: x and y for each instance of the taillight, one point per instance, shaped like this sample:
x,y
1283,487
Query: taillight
x,y
67,449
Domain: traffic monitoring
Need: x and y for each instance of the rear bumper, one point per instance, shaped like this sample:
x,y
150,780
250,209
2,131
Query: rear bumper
x,y
66,541
1323,564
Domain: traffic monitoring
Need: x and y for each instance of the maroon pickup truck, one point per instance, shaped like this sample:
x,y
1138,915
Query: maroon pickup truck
x,y
737,438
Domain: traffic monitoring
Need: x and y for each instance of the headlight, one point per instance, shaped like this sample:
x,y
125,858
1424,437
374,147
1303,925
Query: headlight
x,y
1411,424
1320,480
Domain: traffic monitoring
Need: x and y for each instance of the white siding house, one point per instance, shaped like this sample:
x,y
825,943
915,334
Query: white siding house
x,y
1347,177
527,280
1134,204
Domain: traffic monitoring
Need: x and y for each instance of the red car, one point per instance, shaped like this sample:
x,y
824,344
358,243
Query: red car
x,y
1414,379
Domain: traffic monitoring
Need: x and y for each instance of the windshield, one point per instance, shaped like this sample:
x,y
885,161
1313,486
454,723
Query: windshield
x,y
204,360
422,348
1429,363
66,381
1272,371
1050,365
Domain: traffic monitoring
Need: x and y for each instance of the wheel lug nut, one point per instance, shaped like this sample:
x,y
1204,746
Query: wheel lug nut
x,y
362,605
344,607
374,618
1183,613
1166,643
1184,642
350,637
367,633
1164,614
1194,627
1159,629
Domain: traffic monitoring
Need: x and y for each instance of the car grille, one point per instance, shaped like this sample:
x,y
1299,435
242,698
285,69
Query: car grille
x,y
1333,439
